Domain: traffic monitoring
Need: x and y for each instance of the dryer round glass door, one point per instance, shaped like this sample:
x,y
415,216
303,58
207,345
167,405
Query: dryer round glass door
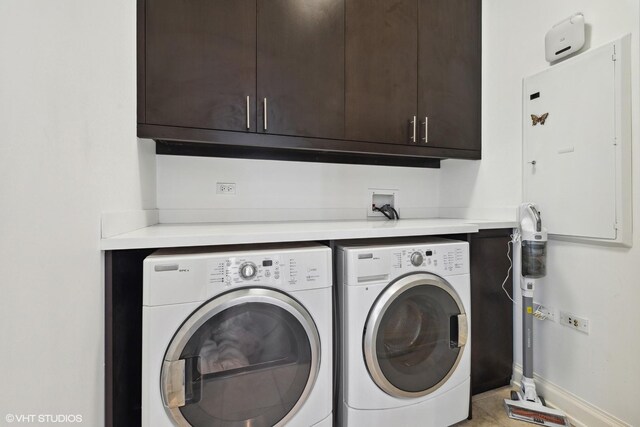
x,y
248,357
415,335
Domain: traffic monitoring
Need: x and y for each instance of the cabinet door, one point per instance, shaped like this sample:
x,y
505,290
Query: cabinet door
x,y
381,70
492,311
201,63
301,67
449,76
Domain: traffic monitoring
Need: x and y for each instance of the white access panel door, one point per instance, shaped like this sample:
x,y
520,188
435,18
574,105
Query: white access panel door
x,y
576,159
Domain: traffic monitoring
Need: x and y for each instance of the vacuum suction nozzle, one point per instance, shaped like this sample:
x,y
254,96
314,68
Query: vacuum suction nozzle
x,y
535,413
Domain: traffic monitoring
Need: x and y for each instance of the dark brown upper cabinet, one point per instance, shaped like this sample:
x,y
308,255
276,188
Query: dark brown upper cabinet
x,y
329,80
201,64
301,68
413,72
271,66
449,73
381,70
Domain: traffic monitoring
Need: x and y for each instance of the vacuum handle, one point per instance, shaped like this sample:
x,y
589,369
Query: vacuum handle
x,y
537,217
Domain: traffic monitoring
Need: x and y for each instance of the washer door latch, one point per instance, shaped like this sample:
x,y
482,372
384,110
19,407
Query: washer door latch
x,y
458,330
173,381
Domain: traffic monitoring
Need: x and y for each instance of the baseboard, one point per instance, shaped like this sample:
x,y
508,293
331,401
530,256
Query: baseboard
x,y
114,223
580,412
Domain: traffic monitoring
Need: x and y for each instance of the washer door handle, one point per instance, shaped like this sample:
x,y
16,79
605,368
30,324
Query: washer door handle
x,y
181,382
173,381
458,331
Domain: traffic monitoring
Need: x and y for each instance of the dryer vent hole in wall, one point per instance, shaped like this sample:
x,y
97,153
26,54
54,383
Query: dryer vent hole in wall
x,y
387,210
381,201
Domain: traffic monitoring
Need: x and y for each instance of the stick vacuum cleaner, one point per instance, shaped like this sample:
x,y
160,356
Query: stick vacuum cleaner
x,y
525,404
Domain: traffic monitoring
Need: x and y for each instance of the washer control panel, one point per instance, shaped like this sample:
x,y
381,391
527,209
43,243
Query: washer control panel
x,y
287,271
447,259
248,270
181,275
417,259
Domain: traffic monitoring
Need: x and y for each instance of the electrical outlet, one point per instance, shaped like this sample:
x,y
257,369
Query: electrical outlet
x,y
547,313
576,322
226,188
377,197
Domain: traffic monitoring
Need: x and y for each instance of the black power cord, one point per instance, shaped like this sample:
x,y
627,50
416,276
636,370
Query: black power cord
x,y
388,211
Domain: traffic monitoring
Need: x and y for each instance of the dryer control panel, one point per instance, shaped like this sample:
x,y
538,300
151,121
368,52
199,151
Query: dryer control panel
x,y
446,260
384,263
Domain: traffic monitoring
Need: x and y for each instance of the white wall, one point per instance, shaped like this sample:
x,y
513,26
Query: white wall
x,y
68,152
274,190
597,282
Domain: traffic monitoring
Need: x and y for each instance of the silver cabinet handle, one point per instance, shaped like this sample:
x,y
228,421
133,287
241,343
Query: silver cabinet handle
x,y
414,124
248,115
265,114
426,130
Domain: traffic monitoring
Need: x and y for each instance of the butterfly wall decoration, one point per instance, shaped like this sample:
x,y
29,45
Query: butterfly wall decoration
x,y
535,119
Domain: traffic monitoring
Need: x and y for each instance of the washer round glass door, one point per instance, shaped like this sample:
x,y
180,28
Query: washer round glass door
x,y
247,357
415,335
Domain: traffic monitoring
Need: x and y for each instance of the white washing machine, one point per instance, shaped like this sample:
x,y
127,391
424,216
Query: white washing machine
x,y
405,316
237,337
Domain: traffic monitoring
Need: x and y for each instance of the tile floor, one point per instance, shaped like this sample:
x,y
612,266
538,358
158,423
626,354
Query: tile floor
x,y
488,411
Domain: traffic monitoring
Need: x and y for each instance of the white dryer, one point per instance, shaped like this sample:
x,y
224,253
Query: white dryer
x,y
405,318
237,337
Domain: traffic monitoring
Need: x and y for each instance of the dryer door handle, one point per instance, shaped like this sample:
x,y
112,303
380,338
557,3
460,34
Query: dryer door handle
x,y
459,331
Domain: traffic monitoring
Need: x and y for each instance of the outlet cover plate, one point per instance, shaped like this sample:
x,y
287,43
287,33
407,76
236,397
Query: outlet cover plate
x,y
575,322
227,188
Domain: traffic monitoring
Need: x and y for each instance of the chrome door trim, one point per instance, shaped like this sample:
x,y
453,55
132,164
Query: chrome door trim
x,y
382,303
221,303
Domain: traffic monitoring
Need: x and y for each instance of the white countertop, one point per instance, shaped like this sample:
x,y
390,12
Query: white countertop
x,y
180,235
